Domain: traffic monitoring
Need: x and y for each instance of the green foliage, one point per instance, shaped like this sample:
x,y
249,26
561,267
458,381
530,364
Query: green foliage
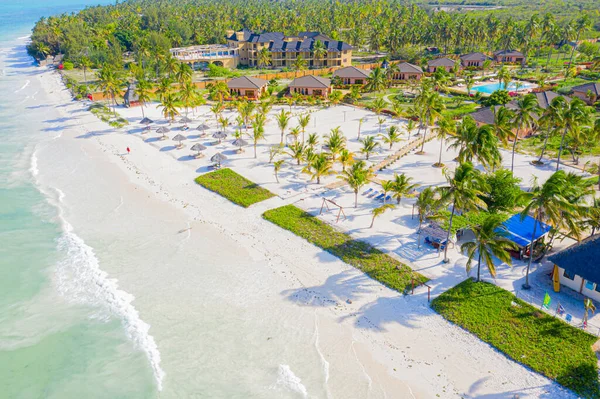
x,y
215,71
499,97
524,334
466,221
504,193
359,254
67,65
234,187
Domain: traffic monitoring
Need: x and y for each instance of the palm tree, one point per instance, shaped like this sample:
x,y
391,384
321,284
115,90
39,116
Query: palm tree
x,y
504,76
410,126
426,202
376,81
283,119
469,82
387,186
368,145
489,241
187,95
299,63
313,140
318,167
346,158
546,202
258,131
336,142
402,185
224,122
378,105
570,117
464,191
169,110
380,122
164,87
336,96
276,167
183,73
356,177
446,127
42,50
503,124
319,50
85,63
218,90
110,83
380,210
360,122
143,89
303,121
432,106
297,151
582,24
263,57
527,107
392,137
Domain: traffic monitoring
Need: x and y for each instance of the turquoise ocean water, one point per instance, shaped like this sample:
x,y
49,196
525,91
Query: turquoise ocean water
x,y
50,346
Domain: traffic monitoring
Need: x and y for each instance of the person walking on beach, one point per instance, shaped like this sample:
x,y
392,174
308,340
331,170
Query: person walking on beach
x,y
128,150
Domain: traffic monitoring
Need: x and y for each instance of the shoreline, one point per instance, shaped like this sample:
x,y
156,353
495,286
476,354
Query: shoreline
x,y
372,320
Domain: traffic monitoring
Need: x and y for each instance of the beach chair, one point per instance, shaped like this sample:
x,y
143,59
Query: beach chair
x,y
380,197
368,191
373,194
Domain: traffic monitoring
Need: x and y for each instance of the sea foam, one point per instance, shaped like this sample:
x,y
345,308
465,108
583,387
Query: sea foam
x,y
80,279
288,380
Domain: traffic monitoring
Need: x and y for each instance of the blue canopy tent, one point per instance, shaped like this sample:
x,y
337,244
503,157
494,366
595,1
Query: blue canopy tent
x,y
520,231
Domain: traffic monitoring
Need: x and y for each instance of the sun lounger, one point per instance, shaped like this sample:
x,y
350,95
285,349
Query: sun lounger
x,y
380,197
386,199
374,193
368,191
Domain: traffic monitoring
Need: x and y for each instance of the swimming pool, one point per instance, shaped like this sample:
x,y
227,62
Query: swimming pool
x,y
492,87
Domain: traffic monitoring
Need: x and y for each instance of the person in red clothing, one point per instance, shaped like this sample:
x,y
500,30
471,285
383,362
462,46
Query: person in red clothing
x,y
128,150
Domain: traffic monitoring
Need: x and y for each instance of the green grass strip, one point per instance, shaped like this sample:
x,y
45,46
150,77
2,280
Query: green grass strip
x,y
359,254
234,187
523,333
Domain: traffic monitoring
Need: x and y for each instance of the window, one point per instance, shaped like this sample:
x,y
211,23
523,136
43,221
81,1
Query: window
x,y
597,288
589,285
567,275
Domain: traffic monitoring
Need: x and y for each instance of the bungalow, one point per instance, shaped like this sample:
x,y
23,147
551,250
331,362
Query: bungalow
x,y
510,56
247,86
406,71
485,116
473,60
440,63
577,268
589,92
130,98
310,85
352,75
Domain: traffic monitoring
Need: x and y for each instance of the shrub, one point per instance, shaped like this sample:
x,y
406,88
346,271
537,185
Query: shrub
x,y
68,65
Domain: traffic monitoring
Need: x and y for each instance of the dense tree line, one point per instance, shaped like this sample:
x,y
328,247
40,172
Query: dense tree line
x,y
104,33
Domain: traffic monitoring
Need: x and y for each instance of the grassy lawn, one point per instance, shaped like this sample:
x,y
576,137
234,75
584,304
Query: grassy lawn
x,y
535,143
524,333
234,187
359,254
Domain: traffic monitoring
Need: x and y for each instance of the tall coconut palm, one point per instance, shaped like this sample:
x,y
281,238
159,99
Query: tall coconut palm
x,y
570,117
489,240
368,145
376,81
446,127
402,185
463,191
85,64
336,142
432,105
503,124
110,83
188,95
263,57
303,121
319,51
169,109
217,110
183,73
547,203
582,24
318,167
283,119
393,136
143,90
476,143
504,76
258,131
380,210
356,176
525,113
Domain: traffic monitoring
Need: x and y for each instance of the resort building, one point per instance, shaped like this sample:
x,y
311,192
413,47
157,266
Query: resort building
x,y
407,71
589,92
247,86
352,75
440,63
509,56
310,85
485,116
200,56
284,50
577,268
474,60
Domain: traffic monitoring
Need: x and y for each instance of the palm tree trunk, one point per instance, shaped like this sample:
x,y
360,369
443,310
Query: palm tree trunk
x,y
441,148
512,164
549,56
143,114
372,221
424,137
562,141
446,260
479,266
254,150
544,147
531,248
356,200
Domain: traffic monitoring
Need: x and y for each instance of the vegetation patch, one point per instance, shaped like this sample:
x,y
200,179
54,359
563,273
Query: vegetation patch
x,y
106,115
359,254
524,333
234,187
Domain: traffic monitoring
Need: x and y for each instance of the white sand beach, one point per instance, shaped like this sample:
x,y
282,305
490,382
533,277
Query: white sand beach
x,y
230,304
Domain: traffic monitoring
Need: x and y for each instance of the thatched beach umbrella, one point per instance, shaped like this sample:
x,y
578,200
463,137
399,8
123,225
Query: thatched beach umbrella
x,y
218,158
198,147
185,120
202,127
146,121
219,136
163,130
240,143
179,138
